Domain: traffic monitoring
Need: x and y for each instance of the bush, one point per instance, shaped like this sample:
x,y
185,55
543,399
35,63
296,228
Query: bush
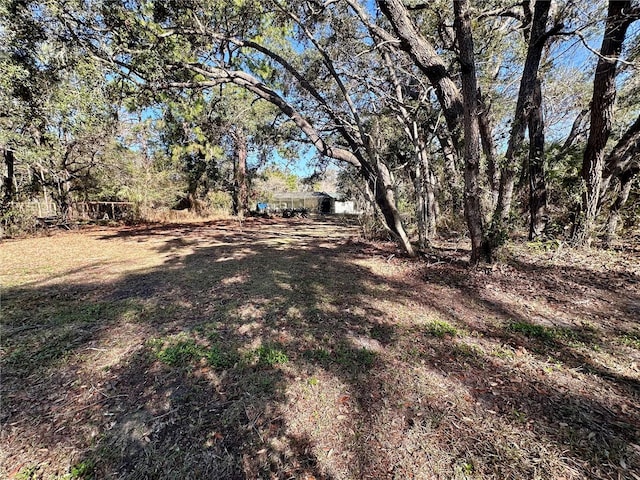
x,y
18,219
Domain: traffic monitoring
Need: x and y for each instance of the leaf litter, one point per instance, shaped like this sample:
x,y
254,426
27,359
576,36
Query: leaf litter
x,y
296,349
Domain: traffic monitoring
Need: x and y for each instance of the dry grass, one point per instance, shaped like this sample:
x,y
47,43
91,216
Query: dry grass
x,y
293,349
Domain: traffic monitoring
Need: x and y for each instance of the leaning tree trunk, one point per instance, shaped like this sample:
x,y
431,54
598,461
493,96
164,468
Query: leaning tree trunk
x,y
626,180
472,190
382,187
426,58
621,158
603,100
378,179
537,182
240,188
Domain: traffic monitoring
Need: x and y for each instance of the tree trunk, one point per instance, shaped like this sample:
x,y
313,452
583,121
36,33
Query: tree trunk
x,y
379,182
472,191
428,61
429,187
537,40
63,200
8,181
623,195
425,193
450,165
621,157
537,182
421,204
577,133
382,187
423,186
603,100
240,188
489,149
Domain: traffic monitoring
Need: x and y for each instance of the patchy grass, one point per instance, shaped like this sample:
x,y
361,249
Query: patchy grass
x,y
295,349
531,330
441,328
631,340
179,351
270,355
183,351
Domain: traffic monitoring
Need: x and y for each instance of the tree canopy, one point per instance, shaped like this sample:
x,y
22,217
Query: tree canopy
x,y
496,116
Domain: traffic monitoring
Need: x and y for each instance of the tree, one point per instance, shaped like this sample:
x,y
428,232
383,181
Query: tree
x,y
455,105
473,209
404,99
622,164
76,135
537,182
240,50
23,87
56,117
8,182
620,16
528,112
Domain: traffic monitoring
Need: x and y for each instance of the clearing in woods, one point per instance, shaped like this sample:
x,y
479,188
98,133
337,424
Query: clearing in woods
x,y
295,349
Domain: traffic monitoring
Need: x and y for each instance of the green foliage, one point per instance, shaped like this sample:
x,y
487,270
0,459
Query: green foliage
x,y
220,201
544,245
275,179
270,355
585,337
319,355
182,351
464,470
82,470
27,473
16,220
178,352
563,178
219,358
353,359
532,331
441,329
631,339
498,233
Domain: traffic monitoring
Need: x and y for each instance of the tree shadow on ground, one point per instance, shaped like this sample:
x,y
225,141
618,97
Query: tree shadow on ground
x,y
591,303
266,353
599,426
246,299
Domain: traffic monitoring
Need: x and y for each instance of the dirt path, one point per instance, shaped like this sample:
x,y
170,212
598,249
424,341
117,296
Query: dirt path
x,y
293,349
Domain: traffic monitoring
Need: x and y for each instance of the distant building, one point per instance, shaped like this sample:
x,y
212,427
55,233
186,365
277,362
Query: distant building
x,y
319,202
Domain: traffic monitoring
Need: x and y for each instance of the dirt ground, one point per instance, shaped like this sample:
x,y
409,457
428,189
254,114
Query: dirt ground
x,y
294,349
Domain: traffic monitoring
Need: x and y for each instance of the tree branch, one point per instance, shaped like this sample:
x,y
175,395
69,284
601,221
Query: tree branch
x,y
220,76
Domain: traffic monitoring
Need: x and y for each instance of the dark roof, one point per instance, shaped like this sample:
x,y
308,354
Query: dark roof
x,y
299,195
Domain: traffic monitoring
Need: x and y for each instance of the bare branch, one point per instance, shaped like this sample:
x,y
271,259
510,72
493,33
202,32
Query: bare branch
x,y
509,11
